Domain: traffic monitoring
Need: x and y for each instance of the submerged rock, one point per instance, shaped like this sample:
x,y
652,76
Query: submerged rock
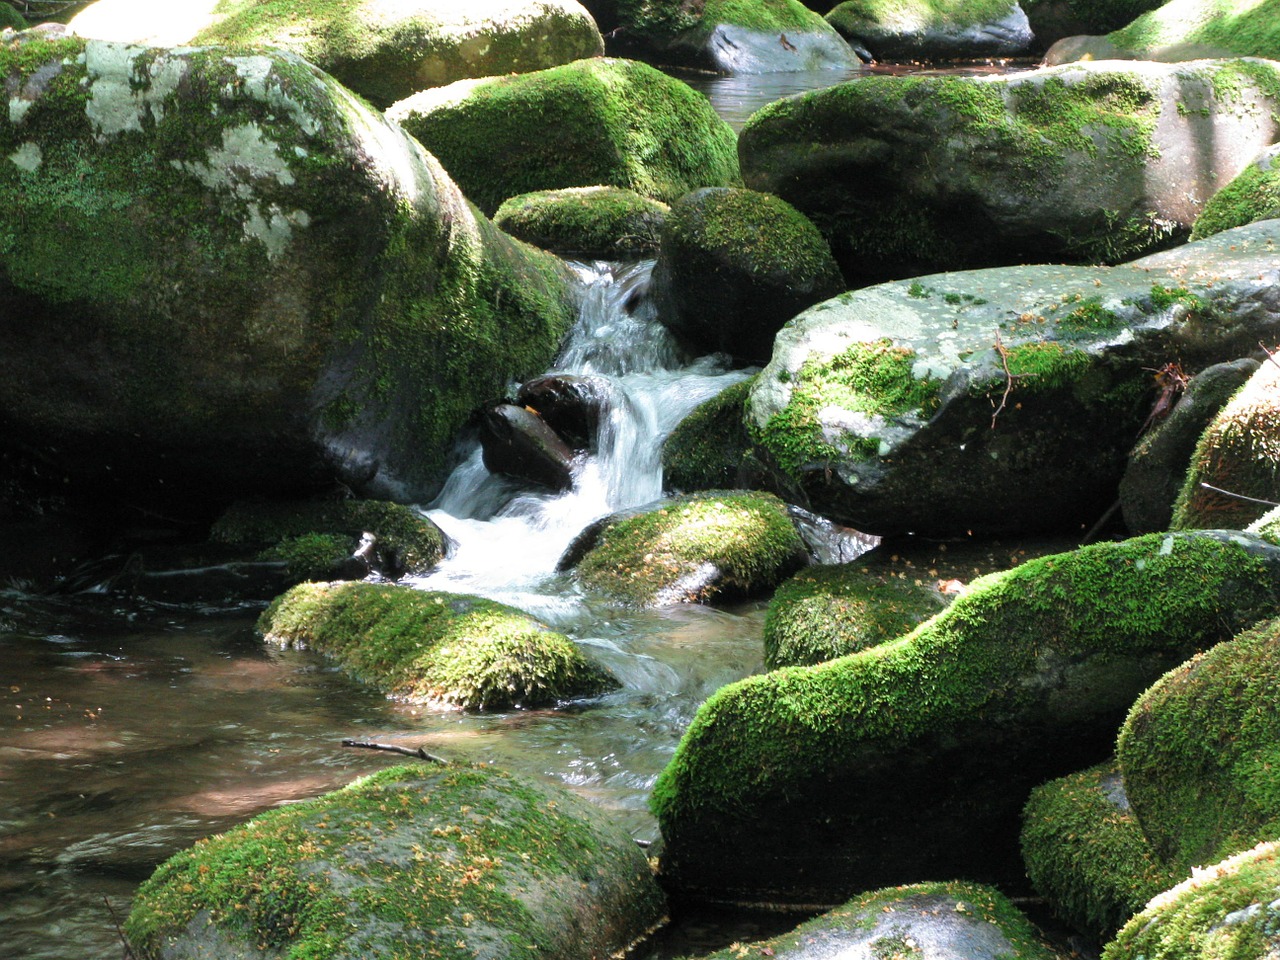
x,y
596,223
934,30
427,647
518,443
913,758
419,860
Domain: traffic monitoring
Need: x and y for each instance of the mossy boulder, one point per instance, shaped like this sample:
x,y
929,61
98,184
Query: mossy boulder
x,y
1052,20
1228,909
913,758
429,647
827,611
383,51
593,223
699,548
222,275
1253,195
710,448
963,401
933,29
729,36
924,921
594,122
453,861
11,18
1184,30
1238,456
1086,854
1085,163
734,266
1201,748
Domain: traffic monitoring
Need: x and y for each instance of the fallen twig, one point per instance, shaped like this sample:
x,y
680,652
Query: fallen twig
x,y
1238,496
115,922
1009,377
418,754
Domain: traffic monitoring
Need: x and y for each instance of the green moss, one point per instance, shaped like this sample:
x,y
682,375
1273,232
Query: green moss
x,y
434,647
699,547
854,16
1244,28
311,556
707,449
606,223
9,17
1090,315
436,861
1253,195
1085,852
659,20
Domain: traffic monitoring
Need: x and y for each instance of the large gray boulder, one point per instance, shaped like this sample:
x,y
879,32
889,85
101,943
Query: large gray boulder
x,y
222,274
1088,163
968,401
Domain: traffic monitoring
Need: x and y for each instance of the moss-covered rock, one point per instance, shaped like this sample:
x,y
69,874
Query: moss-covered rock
x,y
1201,749
925,921
10,17
1052,20
913,758
223,275
383,51
828,611
934,29
1239,453
594,223
730,36
1267,526
419,860
1085,852
1229,909
594,122
431,647
709,449
1185,30
1085,163
734,266
699,548
1253,195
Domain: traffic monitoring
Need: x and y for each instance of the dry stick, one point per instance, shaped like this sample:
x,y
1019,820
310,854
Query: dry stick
x,y
419,754
1009,377
1238,496
124,941
1270,354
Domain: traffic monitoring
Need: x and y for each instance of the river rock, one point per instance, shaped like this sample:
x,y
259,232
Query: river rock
x,y
518,443
1085,852
1052,20
1183,30
700,548
734,266
436,648
710,448
913,759
1158,462
1236,457
417,860
1086,163
962,402
594,122
926,921
1227,909
573,405
289,293
764,36
592,223
1253,195
934,31
383,51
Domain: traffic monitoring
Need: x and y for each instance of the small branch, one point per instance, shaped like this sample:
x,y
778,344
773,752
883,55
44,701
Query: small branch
x,y
418,754
1270,354
1009,377
1238,496
115,922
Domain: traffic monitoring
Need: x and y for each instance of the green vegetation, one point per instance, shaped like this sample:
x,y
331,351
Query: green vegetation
x,y
607,223
434,647
853,16
1253,195
708,449
658,20
1243,28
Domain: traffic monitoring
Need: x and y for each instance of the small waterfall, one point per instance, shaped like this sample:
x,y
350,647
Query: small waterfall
x,y
509,537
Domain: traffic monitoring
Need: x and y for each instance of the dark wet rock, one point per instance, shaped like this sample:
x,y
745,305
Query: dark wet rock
x,y
914,759
593,223
827,541
572,405
934,31
882,407
1158,462
734,266
518,443
1088,163
415,860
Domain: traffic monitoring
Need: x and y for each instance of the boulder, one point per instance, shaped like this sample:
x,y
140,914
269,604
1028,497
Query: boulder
x,y
962,402
710,448
932,30
518,443
1085,852
436,648
593,122
1052,20
383,51
1086,163
734,266
1183,30
1253,195
222,275
573,405
704,547
763,36
1200,750
1238,457
925,921
10,18
1158,462
417,860
593,223
1228,909
913,758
